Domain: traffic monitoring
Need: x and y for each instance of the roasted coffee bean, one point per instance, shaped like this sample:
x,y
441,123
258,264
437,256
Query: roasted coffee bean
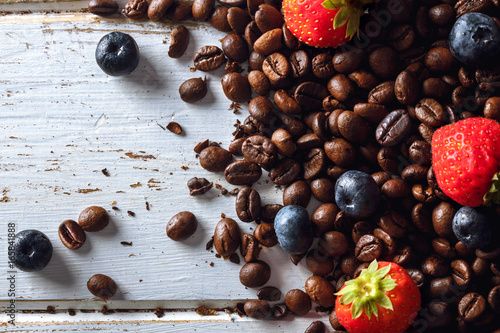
x,y
316,327
430,112
406,88
330,104
279,311
420,152
259,149
319,263
103,7
480,266
492,108
394,224
249,248
259,82
253,6
491,252
297,193
468,6
368,248
266,235
417,276
298,302
283,142
235,48
285,171
255,61
255,274
300,64
214,158
363,79
384,61
93,218
426,132
248,204
269,211
322,66
294,126
323,189
373,113
182,226
323,218
219,21
381,177
158,8
136,9
394,128
442,220
203,9
269,42
277,69
494,299
471,307
320,291
290,41
404,255
382,94
389,159
463,251
443,248
179,11
268,17
257,309
343,223
242,172
333,244
440,59
261,109
401,37
233,3
360,229
308,141
423,194
461,271
192,90
271,294
435,87
439,315
314,163
71,234
390,244
444,287
286,103
238,19
352,127
422,218
435,266
442,14
208,58
179,43
227,237
395,188
102,286
341,88
310,95
199,186
347,60
340,152
236,87
252,33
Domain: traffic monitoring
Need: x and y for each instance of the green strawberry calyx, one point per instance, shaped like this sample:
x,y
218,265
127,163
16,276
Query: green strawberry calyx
x,y
492,197
368,291
350,11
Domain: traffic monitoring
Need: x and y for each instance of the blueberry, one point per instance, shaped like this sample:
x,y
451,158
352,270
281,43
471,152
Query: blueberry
x,y
32,250
471,226
475,39
293,229
357,194
117,54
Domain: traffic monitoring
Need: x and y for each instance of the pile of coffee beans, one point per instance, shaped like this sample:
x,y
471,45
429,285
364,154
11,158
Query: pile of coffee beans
x,y
91,219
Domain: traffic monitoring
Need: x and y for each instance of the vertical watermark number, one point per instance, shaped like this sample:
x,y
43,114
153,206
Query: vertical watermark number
x,y
11,275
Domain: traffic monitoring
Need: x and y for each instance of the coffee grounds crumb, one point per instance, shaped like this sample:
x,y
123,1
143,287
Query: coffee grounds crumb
x,y
159,312
185,168
201,145
218,256
210,244
105,172
235,258
223,191
130,213
218,186
203,311
212,264
51,309
234,191
222,215
192,69
71,312
126,243
115,208
163,128
174,127
147,205
236,107
215,144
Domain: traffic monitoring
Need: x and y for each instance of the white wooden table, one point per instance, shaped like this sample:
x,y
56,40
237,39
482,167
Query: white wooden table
x,y
62,120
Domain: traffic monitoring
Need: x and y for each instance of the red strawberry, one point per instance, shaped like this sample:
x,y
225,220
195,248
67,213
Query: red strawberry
x,y
319,23
383,298
466,160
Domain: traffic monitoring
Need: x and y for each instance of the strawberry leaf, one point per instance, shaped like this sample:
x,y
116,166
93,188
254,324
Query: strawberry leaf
x,y
387,284
342,16
383,300
353,23
381,273
333,4
356,308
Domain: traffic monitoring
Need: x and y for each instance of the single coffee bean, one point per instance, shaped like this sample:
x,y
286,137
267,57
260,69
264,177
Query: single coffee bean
x,y
334,321
440,59
279,311
257,309
363,79
340,152
393,224
235,48
389,159
353,127
422,218
136,9
268,212
277,69
323,218
492,108
322,66
238,19
269,42
259,83
219,21
102,286
271,294
316,327
179,11
347,60
199,186
158,8
491,252
430,112
395,188
266,235
286,103
259,149
401,37
252,34
214,158
390,244
248,204
261,108
463,251
93,218
227,237
290,41
435,87
310,95
443,248
404,255
417,276
236,87
249,248
368,248
315,162
442,220
192,90
283,142
179,43
268,17
298,302
444,287
420,152
320,291
360,229
71,234
297,193
341,88
319,263
255,274
382,94
181,226
406,88
203,9
471,307
494,299
294,126
461,271
414,173
435,266
384,61
208,58
242,172
394,128
333,244
308,141
103,7
285,172
330,104
323,189
371,112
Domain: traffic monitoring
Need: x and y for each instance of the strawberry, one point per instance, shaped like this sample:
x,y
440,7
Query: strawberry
x,y
384,298
328,23
466,161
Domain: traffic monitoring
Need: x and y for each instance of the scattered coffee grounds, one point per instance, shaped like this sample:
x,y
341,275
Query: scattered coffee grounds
x,y
126,243
174,127
105,172
130,213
